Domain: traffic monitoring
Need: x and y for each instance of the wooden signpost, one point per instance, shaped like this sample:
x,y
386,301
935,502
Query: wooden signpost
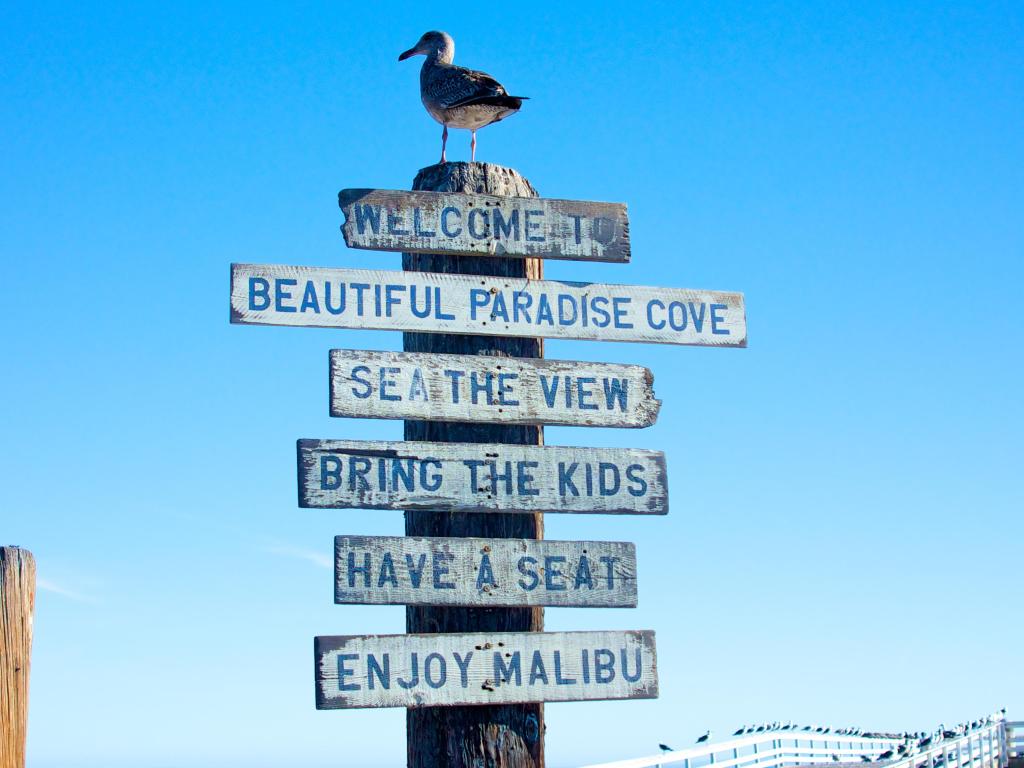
x,y
466,477
407,570
439,387
492,668
475,665
484,225
269,294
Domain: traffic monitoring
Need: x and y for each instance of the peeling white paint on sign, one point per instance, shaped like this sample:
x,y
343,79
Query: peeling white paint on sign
x,y
431,302
408,570
483,388
472,477
483,668
484,225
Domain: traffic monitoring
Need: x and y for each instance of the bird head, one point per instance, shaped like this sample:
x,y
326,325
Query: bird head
x,y
434,45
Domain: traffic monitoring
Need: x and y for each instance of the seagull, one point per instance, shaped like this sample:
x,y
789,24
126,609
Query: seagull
x,y
456,96
665,748
705,737
886,755
739,731
835,758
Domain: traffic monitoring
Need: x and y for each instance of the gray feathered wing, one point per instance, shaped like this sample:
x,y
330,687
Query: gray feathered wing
x,y
467,87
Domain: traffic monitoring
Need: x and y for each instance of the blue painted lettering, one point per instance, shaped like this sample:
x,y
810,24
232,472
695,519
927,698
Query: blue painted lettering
x,y
474,215
438,679
344,672
367,214
503,673
485,573
506,229
354,377
716,319
281,295
637,484
525,567
444,221
417,224
440,569
554,578
604,671
530,226
537,671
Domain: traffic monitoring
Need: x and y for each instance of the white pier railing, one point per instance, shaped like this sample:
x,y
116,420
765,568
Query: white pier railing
x,y
1014,739
985,747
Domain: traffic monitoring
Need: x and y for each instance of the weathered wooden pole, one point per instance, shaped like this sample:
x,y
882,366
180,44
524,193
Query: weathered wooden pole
x,y
509,736
17,601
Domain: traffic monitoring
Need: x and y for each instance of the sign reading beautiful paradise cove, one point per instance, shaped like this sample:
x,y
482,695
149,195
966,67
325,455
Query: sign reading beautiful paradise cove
x,y
490,668
484,225
494,306
471,477
481,388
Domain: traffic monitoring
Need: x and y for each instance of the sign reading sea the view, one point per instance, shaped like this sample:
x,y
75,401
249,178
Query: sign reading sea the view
x,y
484,225
482,388
488,668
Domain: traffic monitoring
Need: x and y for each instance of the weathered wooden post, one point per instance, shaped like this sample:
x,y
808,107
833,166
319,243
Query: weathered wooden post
x,y
17,600
510,736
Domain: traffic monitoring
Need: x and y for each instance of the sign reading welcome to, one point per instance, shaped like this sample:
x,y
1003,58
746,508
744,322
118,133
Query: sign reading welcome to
x,y
484,225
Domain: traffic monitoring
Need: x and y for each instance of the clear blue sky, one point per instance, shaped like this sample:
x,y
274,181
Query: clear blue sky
x,y
845,539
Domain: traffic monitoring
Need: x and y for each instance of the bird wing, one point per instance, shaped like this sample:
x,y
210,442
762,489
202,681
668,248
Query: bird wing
x,y
461,87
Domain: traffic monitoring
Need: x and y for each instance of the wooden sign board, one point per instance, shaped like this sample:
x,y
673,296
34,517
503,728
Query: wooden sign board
x,y
431,302
406,570
484,225
472,477
487,668
497,390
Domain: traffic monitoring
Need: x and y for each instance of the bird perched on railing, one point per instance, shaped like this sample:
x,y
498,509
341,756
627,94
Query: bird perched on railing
x,y
705,737
456,96
665,748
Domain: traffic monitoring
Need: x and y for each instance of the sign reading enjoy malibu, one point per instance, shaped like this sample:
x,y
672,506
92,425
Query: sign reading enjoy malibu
x,y
485,668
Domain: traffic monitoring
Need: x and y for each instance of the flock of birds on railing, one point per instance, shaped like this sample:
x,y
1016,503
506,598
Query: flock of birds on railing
x,y
911,743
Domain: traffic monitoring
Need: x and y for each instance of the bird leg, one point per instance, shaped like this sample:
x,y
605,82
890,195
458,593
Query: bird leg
x,y
472,148
444,143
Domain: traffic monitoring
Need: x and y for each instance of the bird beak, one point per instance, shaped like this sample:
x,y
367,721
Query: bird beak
x,y
406,54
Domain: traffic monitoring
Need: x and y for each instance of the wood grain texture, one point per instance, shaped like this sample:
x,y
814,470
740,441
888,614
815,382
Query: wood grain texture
x,y
268,294
469,477
17,604
439,387
407,570
508,735
457,224
483,668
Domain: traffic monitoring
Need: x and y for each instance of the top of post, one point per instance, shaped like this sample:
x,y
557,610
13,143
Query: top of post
x,y
479,178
